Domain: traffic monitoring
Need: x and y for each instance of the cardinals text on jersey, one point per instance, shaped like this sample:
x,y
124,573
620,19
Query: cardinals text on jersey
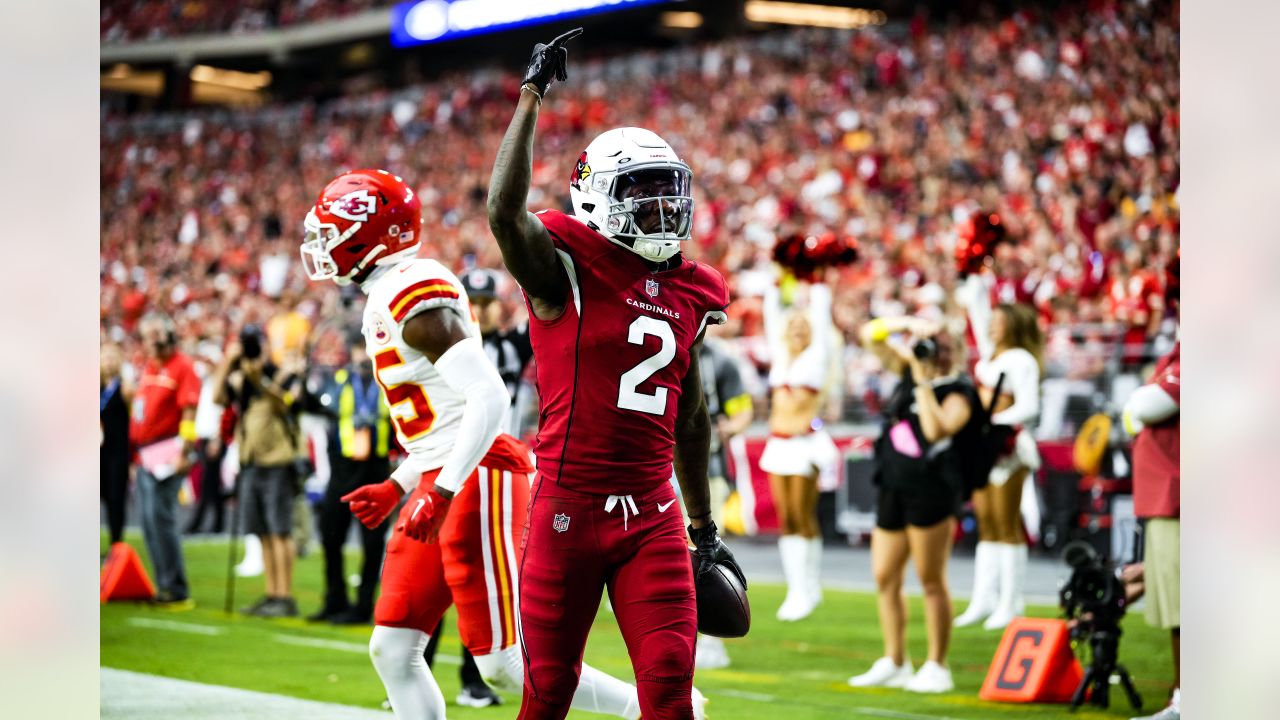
x,y
610,367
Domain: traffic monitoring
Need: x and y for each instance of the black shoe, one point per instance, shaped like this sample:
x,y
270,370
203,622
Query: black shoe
x,y
354,616
326,614
165,600
478,695
255,608
278,608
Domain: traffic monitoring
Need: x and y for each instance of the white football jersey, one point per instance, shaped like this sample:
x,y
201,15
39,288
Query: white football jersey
x,y
424,409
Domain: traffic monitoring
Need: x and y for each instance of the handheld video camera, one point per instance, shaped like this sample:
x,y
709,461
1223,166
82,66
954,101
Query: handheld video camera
x,y
1093,600
1093,594
250,342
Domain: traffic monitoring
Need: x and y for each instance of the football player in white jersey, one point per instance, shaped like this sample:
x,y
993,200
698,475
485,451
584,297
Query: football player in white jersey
x,y
457,540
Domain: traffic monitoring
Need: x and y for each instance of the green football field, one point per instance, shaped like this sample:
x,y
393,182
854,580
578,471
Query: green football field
x,y
790,671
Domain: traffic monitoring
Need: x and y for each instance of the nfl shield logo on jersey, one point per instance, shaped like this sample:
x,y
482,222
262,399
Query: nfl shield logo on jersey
x,y
651,287
560,522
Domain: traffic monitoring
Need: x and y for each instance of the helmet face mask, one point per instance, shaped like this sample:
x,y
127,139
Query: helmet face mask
x,y
630,187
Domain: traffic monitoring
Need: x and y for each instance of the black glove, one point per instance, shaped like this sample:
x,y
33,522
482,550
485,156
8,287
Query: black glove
x,y
712,551
549,62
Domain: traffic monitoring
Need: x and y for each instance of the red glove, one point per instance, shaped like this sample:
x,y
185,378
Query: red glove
x,y
373,504
423,518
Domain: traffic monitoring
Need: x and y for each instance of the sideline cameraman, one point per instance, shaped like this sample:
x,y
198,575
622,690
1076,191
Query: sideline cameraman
x,y
931,413
267,435
1152,413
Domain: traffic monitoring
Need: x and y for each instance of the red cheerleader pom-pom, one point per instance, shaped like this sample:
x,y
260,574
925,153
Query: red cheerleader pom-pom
x,y
976,241
807,256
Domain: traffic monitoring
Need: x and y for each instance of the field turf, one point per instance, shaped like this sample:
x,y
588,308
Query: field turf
x,y
790,671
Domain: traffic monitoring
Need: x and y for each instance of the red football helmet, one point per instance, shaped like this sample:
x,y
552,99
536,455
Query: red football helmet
x,y
363,218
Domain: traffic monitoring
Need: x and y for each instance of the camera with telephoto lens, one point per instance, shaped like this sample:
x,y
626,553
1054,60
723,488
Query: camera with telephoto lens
x,y
925,349
250,342
1093,601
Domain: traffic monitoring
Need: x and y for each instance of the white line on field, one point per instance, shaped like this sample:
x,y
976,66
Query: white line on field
x,y
758,697
878,712
870,711
175,626
344,646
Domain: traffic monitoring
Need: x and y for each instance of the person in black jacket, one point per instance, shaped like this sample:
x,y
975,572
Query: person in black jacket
x,y
931,413
113,452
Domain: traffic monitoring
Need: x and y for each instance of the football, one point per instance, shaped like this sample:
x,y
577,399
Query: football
x,y
723,609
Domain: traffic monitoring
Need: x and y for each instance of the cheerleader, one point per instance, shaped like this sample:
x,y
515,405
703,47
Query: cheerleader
x,y
798,450
1010,344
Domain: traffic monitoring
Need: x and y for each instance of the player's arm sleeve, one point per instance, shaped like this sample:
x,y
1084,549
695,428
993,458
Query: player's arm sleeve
x,y
466,369
1151,404
1022,379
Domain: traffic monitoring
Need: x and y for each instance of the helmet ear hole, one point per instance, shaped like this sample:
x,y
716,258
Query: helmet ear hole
x,y
589,207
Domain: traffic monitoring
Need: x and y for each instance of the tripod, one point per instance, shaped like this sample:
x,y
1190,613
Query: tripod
x,y
1103,644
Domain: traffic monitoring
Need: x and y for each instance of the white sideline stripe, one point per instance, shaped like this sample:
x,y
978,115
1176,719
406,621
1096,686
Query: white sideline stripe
x,y
175,626
344,646
870,711
878,712
758,697
136,696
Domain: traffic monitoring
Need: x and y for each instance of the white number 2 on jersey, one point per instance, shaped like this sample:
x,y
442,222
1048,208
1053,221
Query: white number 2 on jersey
x,y
628,397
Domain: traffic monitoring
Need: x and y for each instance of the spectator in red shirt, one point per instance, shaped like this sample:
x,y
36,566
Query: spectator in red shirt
x,y
1152,413
162,428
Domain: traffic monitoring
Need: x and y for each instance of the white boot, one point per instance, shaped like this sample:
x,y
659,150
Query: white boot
x,y
793,549
813,576
1013,571
251,565
985,585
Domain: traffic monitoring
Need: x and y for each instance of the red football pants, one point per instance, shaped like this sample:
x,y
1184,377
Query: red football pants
x,y
575,545
469,566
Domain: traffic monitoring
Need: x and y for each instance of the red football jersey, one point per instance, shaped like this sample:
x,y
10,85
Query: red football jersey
x,y
1157,473
610,367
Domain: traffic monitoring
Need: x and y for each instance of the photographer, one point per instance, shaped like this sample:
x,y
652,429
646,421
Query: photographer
x,y
931,413
267,435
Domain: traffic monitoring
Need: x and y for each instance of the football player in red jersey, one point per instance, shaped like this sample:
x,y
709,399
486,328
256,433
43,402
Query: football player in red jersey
x,y
617,314
457,540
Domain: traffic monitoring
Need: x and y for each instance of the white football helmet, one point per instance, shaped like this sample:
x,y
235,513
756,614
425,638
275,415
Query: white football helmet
x,y
631,187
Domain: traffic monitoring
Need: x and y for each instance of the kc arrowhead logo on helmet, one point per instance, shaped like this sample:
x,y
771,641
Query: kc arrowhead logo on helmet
x,y
355,206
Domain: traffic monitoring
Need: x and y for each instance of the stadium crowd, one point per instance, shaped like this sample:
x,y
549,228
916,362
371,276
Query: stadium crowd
x,y
1063,121
132,20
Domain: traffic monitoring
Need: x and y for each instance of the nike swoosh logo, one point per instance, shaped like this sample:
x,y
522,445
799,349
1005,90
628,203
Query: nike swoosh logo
x,y
663,508
421,502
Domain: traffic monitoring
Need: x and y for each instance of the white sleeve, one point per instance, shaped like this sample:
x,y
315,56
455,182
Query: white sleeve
x,y
466,368
1151,404
975,296
1022,380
